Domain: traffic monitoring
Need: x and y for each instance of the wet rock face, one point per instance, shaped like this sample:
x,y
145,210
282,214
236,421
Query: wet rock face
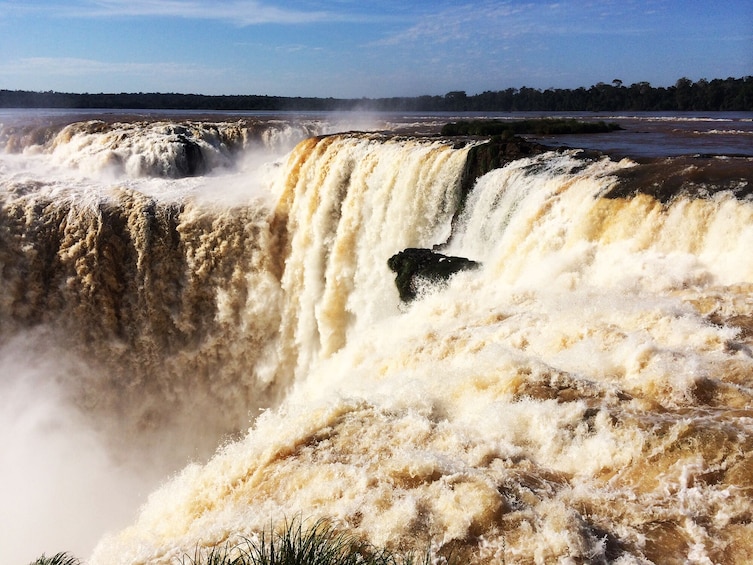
x,y
496,153
191,161
414,267
693,176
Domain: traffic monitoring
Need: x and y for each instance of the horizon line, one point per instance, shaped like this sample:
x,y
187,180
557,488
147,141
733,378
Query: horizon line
x,y
616,83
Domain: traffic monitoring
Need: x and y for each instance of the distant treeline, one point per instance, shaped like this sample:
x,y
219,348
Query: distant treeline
x,y
734,94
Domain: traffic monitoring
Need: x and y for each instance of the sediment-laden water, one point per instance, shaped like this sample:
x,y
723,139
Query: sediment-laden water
x,y
583,396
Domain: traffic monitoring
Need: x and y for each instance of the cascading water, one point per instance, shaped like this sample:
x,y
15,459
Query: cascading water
x,y
155,148
351,202
570,400
583,396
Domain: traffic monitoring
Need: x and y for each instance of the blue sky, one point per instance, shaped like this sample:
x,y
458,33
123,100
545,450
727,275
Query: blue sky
x,y
366,48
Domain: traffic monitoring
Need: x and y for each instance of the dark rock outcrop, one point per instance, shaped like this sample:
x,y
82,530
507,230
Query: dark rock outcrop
x,y
190,161
692,176
415,266
496,153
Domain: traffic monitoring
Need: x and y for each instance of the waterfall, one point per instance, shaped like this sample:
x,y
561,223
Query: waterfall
x,y
351,202
581,396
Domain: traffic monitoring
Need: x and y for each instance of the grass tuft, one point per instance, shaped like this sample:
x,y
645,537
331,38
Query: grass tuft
x,y
319,545
294,545
57,559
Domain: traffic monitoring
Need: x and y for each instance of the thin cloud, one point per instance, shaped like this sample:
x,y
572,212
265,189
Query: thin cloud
x,y
462,22
241,12
237,12
72,67
501,22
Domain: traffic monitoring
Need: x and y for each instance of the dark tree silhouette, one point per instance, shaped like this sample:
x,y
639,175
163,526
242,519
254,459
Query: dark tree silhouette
x,y
734,94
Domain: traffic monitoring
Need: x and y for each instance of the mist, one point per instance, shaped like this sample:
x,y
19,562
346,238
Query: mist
x,y
78,458
63,487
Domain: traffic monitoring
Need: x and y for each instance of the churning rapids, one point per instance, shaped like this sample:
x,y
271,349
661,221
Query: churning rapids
x,y
218,292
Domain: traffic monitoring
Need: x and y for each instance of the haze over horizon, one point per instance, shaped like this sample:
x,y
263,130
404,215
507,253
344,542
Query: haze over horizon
x,y
348,49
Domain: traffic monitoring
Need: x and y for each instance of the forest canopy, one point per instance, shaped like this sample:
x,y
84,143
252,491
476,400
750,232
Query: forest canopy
x,y
730,94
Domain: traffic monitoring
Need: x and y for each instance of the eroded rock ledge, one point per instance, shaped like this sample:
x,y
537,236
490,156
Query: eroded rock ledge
x,y
416,267
495,154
